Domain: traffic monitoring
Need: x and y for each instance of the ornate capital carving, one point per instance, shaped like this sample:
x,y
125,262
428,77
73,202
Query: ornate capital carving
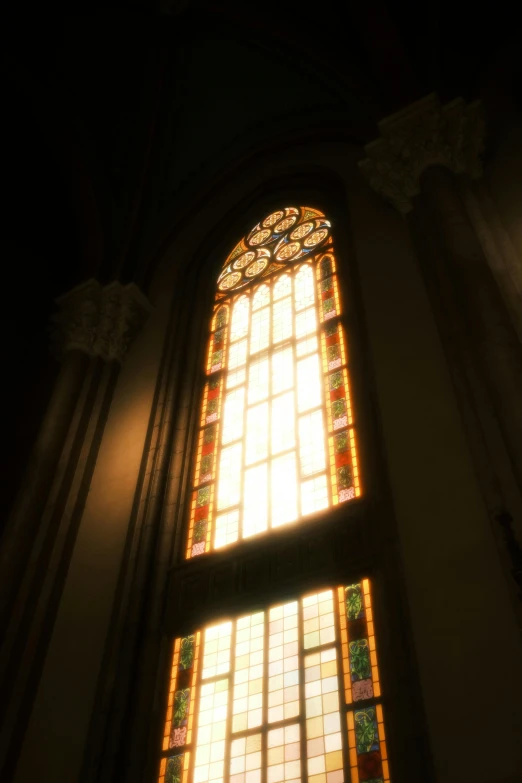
x,y
99,320
422,135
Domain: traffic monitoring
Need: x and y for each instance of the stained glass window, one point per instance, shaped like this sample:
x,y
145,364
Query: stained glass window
x,y
288,694
277,437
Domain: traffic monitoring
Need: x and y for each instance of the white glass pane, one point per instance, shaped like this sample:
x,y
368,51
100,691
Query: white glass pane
x,y
282,370
311,443
308,345
282,320
257,433
212,723
216,650
261,297
284,753
283,668
233,415
283,426
239,323
229,476
246,759
255,514
319,624
227,527
308,383
237,354
304,288
314,495
305,322
284,486
247,706
323,719
258,380
236,378
260,331
283,287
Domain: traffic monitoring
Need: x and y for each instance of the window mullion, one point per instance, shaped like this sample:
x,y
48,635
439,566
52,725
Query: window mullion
x,y
296,413
245,412
302,701
264,719
230,704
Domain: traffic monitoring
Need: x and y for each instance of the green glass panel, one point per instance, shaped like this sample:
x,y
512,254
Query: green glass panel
x,y
336,380
366,732
174,769
330,329
206,464
328,305
338,406
344,477
326,267
203,496
221,318
217,358
186,652
341,442
354,601
210,434
200,530
181,706
333,352
360,665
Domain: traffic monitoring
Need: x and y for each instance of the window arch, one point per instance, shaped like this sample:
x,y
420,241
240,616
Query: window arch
x,y
276,440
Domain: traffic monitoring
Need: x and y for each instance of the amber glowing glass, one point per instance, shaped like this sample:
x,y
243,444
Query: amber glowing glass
x,y
291,693
277,438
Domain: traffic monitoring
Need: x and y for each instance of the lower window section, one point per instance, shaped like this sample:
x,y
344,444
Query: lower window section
x,y
284,695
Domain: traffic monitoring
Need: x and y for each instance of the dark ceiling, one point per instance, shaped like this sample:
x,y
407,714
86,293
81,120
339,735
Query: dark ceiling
x,y
111,111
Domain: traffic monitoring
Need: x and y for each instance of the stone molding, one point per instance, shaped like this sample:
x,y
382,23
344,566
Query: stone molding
x,y
421,135
101,321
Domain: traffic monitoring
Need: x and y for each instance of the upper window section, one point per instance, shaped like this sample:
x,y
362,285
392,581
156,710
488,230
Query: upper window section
x,y
276,441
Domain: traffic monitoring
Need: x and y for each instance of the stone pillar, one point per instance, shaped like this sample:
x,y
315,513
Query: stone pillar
x,y
91,335
422,164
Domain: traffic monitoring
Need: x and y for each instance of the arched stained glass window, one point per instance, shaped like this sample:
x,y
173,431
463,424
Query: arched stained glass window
x,y
276,441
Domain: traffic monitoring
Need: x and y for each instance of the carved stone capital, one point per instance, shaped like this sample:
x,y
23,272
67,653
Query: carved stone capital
x,y
99,320
422,135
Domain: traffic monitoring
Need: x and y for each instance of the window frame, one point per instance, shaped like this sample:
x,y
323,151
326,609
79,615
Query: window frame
x,y
298,557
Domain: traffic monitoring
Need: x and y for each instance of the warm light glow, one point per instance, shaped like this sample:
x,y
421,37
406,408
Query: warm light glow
x,y
245,692
277,439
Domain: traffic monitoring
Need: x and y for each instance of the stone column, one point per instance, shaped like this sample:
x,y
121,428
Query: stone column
x,y
422,150
91,335
422,164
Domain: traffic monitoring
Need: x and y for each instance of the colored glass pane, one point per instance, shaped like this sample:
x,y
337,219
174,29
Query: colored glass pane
x,y
260,697
276,413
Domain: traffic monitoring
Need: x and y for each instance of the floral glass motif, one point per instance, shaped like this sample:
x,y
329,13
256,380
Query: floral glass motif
x,y
277,437
260,697
366,738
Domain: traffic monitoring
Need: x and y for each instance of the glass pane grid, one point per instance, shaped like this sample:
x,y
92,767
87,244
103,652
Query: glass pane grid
x,y
276,696
276,415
